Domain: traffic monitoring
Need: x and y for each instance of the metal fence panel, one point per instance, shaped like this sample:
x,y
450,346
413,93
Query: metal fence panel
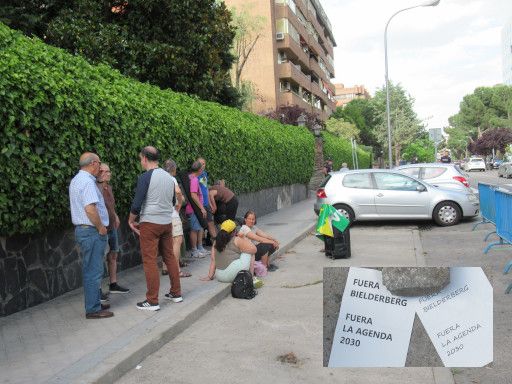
x,y
503,206
487,201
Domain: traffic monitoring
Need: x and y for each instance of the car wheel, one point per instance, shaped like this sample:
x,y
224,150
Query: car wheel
x,y
346,211
447,213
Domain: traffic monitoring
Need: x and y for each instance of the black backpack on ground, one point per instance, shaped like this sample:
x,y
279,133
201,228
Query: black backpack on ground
x,y
338,247
242,287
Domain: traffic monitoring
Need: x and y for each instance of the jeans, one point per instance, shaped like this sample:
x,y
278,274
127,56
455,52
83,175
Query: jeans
x,y
92,248
228,275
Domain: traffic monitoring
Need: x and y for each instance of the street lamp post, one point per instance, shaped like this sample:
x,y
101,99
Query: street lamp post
x,y
431,3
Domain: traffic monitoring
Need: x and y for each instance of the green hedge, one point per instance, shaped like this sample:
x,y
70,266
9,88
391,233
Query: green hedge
x,y
54,106
340,151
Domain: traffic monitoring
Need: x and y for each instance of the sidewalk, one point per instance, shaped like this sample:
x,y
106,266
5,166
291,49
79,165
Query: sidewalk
x,y
54,343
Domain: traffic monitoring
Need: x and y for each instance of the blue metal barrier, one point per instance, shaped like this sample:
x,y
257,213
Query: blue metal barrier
x,y
487,209
503,207
487,196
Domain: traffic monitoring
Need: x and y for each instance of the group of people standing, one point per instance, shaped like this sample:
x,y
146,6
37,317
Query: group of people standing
x,y
155,218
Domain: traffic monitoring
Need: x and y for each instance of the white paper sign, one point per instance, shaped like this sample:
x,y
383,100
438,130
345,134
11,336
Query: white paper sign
x,y
374,326
459,319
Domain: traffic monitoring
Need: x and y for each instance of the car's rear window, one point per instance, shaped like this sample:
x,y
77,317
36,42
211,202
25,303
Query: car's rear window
x,y
431,172
324,183
476,159
357,180
458,168
413,171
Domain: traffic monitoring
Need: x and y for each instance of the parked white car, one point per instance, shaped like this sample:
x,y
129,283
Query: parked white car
x,y
448,176
475,163
377,194
505,170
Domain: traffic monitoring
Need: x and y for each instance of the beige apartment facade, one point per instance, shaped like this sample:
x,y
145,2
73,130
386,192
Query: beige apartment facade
x,y
344,95
292,60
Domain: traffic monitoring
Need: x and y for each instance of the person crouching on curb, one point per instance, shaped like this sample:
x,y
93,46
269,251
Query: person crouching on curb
x,y
230,254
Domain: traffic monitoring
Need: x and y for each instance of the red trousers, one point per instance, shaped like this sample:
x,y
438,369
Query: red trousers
x,y
155,238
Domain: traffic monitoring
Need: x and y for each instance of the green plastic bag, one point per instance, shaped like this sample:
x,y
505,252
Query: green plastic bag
x,y
328,218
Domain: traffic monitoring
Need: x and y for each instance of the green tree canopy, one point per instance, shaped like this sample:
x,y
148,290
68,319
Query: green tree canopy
x,y
361,113
342,128
405,125
486,108
423,148
182,45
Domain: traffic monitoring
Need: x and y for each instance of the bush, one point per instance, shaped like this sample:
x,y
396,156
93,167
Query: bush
x,y
339,150
54,106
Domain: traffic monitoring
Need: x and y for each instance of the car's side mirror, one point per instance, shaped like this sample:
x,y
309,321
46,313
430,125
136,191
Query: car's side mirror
x,y
421,188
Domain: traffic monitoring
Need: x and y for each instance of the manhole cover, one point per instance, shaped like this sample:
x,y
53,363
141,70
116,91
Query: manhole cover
x,y
277,224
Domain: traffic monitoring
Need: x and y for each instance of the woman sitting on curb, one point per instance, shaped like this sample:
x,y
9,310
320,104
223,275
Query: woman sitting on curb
x,y
230,254
265,244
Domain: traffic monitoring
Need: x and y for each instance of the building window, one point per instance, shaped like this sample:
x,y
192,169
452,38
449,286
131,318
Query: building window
x,y
284,26
281,57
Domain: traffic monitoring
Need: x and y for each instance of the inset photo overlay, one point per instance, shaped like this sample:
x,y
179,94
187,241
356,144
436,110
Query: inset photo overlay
x,y
408,316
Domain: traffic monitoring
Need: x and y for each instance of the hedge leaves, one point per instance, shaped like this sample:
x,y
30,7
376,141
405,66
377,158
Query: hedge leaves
x,y
54,106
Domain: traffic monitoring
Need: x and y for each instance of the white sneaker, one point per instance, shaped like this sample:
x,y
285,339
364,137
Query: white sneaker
x,y
147,306
197,255
204,251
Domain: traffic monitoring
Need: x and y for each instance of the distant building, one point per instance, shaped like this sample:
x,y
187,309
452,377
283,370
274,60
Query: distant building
x,y
292,61
346,95
506,43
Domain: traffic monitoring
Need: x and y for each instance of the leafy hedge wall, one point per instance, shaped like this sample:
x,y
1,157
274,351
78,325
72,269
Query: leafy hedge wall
x,y
54,106
340,151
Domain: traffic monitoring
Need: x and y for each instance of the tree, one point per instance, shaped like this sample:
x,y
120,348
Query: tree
x,y
183,45
342,128
406,127
248,29
423,148
289,114
496,139
486,108
361,113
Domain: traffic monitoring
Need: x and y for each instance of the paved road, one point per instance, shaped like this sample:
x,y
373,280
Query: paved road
x,y
243,340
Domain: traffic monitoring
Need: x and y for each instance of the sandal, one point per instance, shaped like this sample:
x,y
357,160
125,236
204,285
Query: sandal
x,y
185,274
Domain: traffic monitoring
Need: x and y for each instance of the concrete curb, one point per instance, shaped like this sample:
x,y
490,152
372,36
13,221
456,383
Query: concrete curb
x,y
123,361
123,358
291,244
418,249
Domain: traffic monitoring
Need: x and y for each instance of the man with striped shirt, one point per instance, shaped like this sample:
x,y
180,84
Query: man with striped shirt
x,y
90,218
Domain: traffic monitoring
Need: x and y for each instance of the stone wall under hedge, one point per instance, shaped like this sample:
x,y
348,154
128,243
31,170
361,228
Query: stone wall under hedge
x,y
38,268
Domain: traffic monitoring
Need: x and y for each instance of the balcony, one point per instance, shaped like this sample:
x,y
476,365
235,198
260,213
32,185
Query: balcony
x,y
317,91
290,71
293,50
302,6
315,67
290,98
319,29
284,12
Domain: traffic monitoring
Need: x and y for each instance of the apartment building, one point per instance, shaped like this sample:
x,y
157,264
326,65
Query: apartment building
x,y
506,44
292,61
344,95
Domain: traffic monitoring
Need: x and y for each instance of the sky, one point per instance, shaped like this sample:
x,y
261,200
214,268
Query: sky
x,y
438,54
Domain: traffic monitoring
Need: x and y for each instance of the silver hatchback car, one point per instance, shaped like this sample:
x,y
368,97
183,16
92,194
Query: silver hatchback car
x,y
448,176
376,194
